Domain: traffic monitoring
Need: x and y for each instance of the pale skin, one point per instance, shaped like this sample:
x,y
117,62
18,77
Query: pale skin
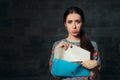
x,y
73,25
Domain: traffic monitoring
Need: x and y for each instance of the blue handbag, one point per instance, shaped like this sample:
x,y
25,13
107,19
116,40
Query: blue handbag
x,y
65,69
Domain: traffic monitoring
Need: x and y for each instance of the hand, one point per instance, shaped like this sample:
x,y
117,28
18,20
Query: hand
x,y
63,45
93,74
90,64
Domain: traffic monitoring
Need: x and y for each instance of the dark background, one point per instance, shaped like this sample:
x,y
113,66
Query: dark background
x,y
28,29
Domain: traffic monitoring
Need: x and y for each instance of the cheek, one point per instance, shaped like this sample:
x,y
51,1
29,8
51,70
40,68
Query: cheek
x,y
80,26
68,27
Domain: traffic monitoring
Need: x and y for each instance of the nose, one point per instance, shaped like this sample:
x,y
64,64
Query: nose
x,y
74,25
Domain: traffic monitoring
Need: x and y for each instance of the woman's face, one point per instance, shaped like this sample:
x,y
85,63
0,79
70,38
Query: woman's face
x,y
73,24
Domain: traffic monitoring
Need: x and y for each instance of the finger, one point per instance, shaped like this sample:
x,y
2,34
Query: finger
x,y
61,44
85,64
66,46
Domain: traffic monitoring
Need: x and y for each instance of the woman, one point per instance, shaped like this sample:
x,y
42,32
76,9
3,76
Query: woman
x,y
73,21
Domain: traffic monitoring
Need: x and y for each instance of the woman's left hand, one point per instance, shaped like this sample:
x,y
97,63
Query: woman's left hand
x,y
90,64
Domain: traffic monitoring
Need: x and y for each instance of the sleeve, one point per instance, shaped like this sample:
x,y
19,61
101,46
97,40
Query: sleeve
x,y
52,56
51,59
96,54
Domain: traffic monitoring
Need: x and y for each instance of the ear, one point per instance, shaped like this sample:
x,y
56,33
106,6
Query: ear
x,y
64,24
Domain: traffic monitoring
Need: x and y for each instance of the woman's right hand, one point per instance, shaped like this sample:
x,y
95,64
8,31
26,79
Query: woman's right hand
x,y
63,45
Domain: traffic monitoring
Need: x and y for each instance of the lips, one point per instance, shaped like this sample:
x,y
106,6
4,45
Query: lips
x,y
74,31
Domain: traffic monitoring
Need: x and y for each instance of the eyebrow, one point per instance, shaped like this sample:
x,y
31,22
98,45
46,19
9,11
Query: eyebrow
x,y
75,20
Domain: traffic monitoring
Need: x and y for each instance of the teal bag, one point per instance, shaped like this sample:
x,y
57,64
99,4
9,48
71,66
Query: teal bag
x,y
65,69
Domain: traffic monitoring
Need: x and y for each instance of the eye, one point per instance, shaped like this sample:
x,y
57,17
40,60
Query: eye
x,y
78,21
69,22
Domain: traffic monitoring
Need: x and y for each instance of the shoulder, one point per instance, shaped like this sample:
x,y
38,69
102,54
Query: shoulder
x,y
56,43
95,45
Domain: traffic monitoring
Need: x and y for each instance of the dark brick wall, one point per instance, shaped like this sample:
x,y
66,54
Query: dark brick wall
x,y
28,29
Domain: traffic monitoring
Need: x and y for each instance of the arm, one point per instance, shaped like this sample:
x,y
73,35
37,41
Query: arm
x,y
51,60
93,64
56,44
96,57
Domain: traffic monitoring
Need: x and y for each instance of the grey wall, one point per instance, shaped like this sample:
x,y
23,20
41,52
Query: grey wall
x,y
28,29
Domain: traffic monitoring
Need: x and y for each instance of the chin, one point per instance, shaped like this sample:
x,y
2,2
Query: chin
x,y
75,35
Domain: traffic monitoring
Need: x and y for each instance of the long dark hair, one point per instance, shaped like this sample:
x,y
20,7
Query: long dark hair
x,y
85,42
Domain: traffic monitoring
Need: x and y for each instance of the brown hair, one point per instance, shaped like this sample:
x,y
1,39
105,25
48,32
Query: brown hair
x,y
85,42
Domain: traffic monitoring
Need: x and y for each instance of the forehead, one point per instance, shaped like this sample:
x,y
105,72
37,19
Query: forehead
x,y
73,16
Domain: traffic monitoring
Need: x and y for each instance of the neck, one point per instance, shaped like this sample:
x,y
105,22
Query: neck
x,y
73,38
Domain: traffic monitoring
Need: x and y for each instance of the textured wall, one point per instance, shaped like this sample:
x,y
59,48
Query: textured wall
x,y
28,29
